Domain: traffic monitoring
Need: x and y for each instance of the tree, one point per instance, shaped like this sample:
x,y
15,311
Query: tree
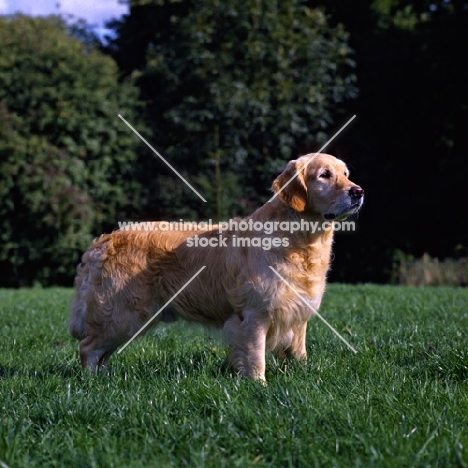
x,y
66,160
409,141
233,90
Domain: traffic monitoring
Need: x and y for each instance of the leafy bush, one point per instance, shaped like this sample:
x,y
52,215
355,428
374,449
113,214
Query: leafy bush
x,y
66,160
233,90
428,271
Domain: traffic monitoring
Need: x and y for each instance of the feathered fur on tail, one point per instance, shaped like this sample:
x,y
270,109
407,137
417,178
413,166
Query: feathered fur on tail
x,y
83,286
78,310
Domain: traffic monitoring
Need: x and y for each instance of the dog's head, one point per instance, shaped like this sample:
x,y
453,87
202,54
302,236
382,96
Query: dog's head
x,y
319,184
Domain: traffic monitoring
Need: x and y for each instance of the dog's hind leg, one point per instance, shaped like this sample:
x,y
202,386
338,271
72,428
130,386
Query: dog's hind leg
x,y
94,353
104,339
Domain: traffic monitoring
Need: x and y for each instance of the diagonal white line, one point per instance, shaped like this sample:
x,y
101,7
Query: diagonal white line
x,y
161,309
174,170
313,309
310,160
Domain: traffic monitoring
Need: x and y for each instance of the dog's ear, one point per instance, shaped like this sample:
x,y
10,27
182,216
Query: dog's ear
x,y
293,192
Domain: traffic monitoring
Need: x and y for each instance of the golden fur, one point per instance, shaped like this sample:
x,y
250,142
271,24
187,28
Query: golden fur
x,y
125,277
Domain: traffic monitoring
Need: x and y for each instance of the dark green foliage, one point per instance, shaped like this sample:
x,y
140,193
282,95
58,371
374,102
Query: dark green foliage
x,y
409,142
232,90
242,87
65,157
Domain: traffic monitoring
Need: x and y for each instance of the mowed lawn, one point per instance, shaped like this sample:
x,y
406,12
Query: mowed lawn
x,y
170,399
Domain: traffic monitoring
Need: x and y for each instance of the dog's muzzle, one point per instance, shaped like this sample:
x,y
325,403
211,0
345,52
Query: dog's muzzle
x,y
356,195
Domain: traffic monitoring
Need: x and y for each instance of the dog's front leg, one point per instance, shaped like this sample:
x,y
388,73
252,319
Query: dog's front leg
x,y
298,344
246,337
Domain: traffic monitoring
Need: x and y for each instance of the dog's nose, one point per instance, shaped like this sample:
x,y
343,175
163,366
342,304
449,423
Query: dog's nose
x,y
356,192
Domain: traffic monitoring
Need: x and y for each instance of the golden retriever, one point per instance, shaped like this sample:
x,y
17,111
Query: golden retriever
x,y
125,277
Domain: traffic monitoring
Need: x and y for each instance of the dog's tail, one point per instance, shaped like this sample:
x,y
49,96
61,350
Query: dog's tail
x,y
78,308
85,287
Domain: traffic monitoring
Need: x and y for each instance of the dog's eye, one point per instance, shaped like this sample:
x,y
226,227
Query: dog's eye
x,y
325,175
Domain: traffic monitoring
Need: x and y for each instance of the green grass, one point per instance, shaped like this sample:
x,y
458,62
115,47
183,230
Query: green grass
x,y
170,400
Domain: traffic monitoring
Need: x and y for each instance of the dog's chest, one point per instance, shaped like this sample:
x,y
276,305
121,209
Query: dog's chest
x,y
300,289
310,262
